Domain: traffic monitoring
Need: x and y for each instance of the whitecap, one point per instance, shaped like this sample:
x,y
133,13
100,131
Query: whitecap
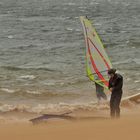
x,y
10,36
137,81
33,92
69,29
7,90
30,77
49,84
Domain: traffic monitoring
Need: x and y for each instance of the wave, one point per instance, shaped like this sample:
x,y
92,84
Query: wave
x,y
50,108
7,90
127,102
14,68
33,93
27,47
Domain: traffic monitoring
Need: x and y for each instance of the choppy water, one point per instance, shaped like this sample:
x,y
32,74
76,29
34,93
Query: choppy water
x,y
42,49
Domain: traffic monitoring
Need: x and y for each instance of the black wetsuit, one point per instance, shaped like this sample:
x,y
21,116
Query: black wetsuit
x,y
116,83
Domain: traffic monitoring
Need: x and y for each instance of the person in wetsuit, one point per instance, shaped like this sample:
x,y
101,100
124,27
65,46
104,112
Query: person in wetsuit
x,y
115,86
100,92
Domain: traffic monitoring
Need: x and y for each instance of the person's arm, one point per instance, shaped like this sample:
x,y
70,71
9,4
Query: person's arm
x,y
118,84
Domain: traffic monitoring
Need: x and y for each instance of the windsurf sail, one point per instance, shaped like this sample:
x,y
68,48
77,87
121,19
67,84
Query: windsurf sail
x,y
97,60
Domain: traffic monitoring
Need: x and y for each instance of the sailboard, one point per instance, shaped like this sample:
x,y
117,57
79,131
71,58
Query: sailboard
x,y
97,60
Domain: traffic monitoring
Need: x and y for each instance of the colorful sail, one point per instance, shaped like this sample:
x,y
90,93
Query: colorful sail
x,y
97,60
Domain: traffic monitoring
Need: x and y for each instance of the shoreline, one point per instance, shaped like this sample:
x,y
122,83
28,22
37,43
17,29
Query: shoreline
x,y
79,124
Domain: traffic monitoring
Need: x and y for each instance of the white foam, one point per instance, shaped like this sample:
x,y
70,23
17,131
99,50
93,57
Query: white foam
x,y
137,81
69,29
10,36
6,107
39,108
7,90
19,107
60,107
50,84
49,108
30,77
33,92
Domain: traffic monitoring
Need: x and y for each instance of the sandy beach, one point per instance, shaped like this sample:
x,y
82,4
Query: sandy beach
x,y
85,125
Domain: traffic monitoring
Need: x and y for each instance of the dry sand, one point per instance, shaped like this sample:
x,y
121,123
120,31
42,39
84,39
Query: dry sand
x,y
90,126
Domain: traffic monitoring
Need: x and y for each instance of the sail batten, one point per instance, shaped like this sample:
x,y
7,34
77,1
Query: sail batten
x,y
97,60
